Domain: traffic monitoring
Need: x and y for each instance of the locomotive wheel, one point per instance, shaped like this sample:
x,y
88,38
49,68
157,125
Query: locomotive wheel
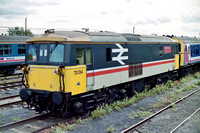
x,y
54,109
113,96
64,110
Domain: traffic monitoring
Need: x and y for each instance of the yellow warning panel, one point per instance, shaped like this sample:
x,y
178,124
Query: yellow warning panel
x,y
75,79
43,78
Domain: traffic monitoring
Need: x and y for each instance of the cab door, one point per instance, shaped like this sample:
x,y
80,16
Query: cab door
x,y
84,56
90,68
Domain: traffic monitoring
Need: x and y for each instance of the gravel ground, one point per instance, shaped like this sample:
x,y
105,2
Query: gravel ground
x,y
14,112
192,125
34,125
171,118
120,119
9,92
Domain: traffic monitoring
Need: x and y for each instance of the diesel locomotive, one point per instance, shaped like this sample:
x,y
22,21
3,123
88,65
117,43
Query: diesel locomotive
x,y
12,53
75,71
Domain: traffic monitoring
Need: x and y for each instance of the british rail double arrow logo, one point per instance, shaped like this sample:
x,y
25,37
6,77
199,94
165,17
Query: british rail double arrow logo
x,y
121,51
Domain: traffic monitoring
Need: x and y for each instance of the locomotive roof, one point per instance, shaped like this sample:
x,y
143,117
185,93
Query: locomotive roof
x,y
189,39
14,38
102,36
147,38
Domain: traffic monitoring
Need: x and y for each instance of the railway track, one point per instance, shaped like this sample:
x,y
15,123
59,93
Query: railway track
x,y
135,126
7,82
2,77
13,125
176,128
10,100
33,124
10,85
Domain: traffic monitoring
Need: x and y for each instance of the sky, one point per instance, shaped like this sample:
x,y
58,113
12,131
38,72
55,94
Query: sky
x,y
161,17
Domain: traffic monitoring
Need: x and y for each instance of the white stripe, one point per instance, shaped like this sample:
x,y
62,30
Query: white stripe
x,y
13,58
194,58
111,68
104,69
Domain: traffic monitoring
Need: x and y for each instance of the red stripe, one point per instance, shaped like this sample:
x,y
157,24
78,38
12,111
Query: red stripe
x,y
12,60
103,72
158,63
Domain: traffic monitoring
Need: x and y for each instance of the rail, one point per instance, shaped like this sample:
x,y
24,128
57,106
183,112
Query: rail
x,y
160,111
21,122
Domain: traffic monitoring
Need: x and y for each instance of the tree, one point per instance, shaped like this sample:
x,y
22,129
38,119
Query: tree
x,y
19,31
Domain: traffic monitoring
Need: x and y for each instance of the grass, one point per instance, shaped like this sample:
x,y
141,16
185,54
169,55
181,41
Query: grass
x,y
116,106
187,88
174,109
140,114
16,119
58,130
110,129
157,105
177,91
197,75
198,83
63,127
187,78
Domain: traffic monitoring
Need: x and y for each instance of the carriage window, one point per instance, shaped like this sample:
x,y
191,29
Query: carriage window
x,y
108,54
56,53
189,50
197,49
88,56
192,51
1,49
5,49
80,56
32,52
21,49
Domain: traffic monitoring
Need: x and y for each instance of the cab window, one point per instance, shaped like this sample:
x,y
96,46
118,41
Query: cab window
x,y
80,56
88,56
56,53
32,52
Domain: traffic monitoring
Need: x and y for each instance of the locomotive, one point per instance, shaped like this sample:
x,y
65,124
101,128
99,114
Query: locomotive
x,y
12,53
75,71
